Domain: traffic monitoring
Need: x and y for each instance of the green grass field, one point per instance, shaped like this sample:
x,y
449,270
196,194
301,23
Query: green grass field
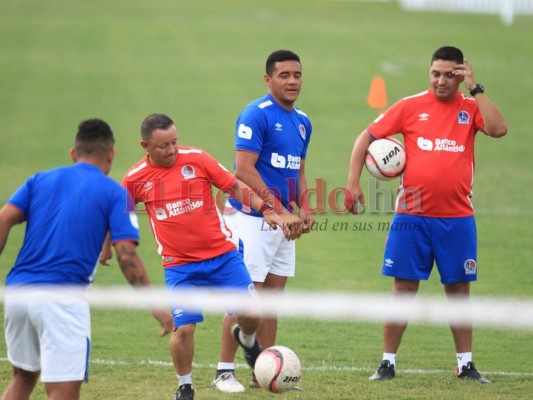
x,y
201,62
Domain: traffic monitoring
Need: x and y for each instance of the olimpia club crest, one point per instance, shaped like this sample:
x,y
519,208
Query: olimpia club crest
x,y
303,133
470,267
188,172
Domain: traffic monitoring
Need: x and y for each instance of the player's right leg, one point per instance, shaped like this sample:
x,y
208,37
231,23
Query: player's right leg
x,y
21,385
408,260
266,253
22,343
393,333
225,379
184,277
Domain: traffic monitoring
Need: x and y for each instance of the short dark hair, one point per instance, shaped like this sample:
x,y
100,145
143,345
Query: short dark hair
x,y
153,122
448,53
94,138
279,56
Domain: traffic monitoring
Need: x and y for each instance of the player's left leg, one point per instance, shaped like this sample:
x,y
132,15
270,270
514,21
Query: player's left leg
x,y
455,247
229,274
229,346
251,239
408,259
64,328
454,244
268,328
462,335
225,379
63,390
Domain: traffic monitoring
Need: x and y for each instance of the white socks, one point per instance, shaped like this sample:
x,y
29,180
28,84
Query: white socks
x,y
222,366
463,359
247,340
390,357
185,379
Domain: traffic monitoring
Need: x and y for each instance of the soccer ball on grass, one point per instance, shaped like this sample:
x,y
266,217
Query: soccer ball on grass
x,y
278,369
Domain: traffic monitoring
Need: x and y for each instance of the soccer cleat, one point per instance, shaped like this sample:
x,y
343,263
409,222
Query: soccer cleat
x,y
251,353
253,382
185,392
226,382
469,372
385,372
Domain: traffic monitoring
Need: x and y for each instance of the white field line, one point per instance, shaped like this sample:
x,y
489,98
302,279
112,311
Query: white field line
x,y
314,368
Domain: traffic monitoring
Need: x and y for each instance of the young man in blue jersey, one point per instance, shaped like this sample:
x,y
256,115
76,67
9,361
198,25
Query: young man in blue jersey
x,y
69,211
271,141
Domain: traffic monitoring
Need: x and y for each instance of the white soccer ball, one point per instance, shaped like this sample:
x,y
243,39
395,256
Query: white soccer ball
x,y
385,159
278,369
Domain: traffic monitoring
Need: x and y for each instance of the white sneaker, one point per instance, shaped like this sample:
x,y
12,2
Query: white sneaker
x,y
227,382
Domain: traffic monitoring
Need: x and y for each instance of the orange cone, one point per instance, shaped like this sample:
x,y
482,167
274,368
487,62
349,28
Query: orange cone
x,y
377,95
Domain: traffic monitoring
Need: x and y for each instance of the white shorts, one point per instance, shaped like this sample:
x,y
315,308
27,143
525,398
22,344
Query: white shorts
x,y
266,251
48,333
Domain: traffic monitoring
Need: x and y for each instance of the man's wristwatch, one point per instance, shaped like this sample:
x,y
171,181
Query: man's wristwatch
x,y
266,206
478,89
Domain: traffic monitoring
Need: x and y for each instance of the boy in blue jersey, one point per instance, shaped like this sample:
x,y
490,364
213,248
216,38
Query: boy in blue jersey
x,y
271,141
68,211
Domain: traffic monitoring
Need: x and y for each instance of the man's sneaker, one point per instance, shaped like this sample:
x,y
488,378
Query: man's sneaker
x,y
225,381
185,392
251,353
253,383
469,372
384,372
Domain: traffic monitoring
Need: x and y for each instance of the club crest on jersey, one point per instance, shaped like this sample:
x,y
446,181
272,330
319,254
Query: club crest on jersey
x,y
463,118
303,134
470,267
148,186
188,172
160,214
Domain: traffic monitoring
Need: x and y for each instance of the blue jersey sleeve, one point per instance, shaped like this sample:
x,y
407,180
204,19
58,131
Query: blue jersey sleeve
x,y
250,129
22,197
123,222
309,130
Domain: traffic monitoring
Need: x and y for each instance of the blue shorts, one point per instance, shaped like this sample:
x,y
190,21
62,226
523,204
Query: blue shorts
x,y
415,243
226,272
